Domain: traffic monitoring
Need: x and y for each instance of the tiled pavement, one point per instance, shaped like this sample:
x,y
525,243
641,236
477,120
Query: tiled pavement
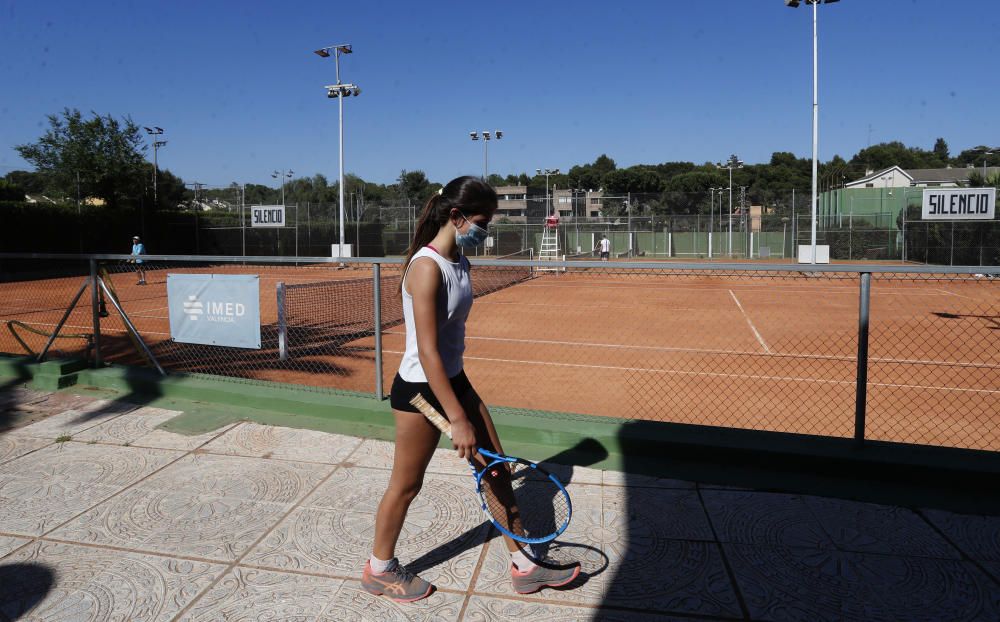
x,y
125,521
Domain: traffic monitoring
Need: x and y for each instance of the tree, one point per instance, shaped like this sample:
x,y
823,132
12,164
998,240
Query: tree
x,y
10,191
632,179
415,186
101,154
941,151
31,183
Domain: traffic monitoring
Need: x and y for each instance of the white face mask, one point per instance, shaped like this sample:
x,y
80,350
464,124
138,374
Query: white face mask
x,y
475,236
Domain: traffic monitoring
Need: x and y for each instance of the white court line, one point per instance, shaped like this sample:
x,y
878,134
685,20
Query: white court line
x,y
103,328
788,355
852,289
577,306
710,374
954,294
752,327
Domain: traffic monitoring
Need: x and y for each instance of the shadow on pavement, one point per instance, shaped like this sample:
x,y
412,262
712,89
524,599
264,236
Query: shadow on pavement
x,y
22,587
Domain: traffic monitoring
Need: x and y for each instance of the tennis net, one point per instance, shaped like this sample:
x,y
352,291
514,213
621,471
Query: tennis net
x,y
489,279
315,316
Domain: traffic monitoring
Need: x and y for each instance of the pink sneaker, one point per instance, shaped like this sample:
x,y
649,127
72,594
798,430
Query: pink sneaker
x,y
540,576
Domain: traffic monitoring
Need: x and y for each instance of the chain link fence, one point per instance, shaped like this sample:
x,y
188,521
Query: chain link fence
x,y
753,346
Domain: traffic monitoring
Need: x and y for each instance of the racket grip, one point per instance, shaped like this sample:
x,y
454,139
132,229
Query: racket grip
x,y
436,419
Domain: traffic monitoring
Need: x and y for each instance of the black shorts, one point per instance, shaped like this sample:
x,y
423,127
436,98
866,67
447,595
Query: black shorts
x,y
402,392
604,255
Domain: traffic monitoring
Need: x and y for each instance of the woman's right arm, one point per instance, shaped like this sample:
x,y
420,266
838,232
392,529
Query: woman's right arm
x,y
423,280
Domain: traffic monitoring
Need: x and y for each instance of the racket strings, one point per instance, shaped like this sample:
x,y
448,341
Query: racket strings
x,y
524,500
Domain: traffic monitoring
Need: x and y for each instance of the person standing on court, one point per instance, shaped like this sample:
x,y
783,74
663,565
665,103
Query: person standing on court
x,y
137,251
437,297
604,244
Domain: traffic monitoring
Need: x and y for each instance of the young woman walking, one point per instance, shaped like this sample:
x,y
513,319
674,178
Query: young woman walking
x,y
437,297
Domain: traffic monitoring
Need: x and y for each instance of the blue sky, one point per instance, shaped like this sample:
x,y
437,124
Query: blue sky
x,y
240,93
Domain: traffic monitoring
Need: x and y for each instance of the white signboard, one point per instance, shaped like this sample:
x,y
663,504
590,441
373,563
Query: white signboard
x,y
267,215
215,309
822,253
959,203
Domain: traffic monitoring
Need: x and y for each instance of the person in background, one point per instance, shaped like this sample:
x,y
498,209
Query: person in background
x,y
604,245
137,251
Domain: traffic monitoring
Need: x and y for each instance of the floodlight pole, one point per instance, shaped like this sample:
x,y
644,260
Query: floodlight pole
x,y
340,90
548,199
498,134
154,132
815,114
340,106
733,162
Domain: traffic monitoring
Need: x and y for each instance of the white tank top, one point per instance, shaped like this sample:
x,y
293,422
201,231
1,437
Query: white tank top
x,y
454,301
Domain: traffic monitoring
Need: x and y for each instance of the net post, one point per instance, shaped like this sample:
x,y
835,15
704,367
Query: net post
x,y
377,306
861,395
282,324
95,313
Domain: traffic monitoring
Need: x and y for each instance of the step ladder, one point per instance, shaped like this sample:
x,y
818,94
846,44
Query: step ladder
x,y
550,249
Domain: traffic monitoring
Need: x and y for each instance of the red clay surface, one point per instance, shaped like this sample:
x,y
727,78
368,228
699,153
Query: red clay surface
x,y
768,351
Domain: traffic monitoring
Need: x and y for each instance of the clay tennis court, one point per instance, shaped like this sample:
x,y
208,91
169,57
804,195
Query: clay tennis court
x,y
765,351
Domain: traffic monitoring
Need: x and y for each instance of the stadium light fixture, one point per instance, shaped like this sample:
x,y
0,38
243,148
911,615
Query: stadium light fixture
x,y
731,163
155,131
497,134
547,172
340,91
815,115
282,175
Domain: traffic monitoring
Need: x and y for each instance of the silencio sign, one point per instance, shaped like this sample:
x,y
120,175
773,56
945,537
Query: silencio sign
x,y
959,203
267,215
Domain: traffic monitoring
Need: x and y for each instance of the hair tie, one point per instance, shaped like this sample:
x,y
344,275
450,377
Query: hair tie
x,y
441,190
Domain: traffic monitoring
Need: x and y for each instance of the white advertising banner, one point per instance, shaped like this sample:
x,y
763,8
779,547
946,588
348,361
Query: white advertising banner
x,y
267,215
215,309
959,203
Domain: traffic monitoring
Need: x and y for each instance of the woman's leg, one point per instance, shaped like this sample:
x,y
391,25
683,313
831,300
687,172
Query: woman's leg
x,y
416,439
487,438
528,575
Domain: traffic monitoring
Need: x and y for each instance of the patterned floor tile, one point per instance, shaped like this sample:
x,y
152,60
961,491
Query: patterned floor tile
x,y
379,455
12,446
10,543
485,609
764,518
799,583
128,427
353,603
977,536
254,479
993,569
76,420
56,581
871,528
89,464
665,513
441,539
264,441
162,439
627,560
32,506
251,594
176,523
617,478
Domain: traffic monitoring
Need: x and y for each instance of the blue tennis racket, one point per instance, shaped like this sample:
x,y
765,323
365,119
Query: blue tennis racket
x,y
520,498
